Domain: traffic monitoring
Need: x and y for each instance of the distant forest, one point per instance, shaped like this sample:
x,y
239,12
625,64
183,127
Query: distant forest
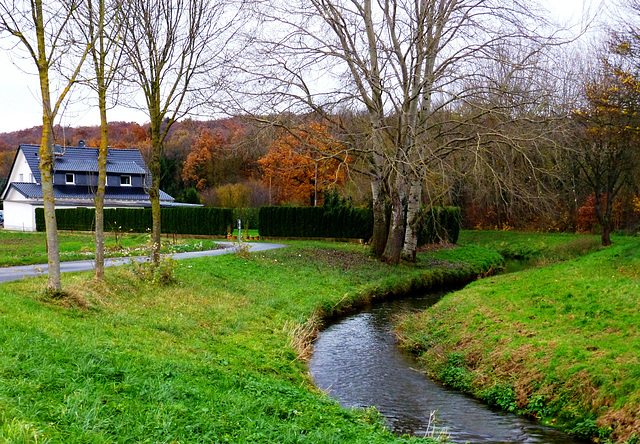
x,y
235,162
226,160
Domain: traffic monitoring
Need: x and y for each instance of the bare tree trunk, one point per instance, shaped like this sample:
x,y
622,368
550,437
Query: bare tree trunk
x,y
46,157
380,222
154,191
606,234
413,212
395,239
101,48
102,181
46,40
46,173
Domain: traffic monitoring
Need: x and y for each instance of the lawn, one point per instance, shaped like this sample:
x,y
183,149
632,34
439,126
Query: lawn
x,y
19,248
560,342
215,356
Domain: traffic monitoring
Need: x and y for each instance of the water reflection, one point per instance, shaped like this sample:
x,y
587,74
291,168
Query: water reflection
x,y
358,362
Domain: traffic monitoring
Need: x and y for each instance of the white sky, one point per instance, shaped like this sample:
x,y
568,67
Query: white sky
x,y
19,92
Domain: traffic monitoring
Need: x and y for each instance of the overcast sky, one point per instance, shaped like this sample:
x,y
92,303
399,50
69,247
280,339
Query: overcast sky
x,y
19,92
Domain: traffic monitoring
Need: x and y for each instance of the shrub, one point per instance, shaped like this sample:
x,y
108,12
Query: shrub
x,y
439,224
585,429
501,395
454,373
162,275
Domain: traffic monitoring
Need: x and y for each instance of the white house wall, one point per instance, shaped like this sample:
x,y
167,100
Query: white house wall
x,y
19,216
21,171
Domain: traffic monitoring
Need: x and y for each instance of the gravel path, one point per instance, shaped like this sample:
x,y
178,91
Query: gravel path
x,y
8,274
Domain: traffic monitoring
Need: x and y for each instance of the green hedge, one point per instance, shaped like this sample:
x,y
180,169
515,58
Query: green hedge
x,y
341,222
187,220
249,217
439,224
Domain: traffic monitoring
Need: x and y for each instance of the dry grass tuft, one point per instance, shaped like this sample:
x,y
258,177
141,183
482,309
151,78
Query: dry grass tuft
x,y
624,423
301,336
68,298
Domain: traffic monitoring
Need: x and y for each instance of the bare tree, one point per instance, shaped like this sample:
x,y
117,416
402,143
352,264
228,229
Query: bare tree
x,y
43,30
171,47
406,64
97,20
511,133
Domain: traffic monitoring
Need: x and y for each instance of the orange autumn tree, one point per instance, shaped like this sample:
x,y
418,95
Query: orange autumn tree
x,y
199,168
607,139
302,163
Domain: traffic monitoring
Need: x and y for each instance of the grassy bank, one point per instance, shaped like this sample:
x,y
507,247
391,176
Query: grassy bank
x,y
18,248
213,357
560,342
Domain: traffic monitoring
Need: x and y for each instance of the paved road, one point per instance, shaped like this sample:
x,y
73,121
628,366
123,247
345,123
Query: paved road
x,y
8,274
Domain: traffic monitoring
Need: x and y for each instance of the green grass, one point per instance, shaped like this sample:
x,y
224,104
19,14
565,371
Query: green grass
x,y
211,358
560,342
540,247
17,248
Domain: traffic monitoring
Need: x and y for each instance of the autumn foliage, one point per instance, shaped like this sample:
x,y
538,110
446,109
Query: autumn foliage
x,y
302,163
199,168
587,218
608,138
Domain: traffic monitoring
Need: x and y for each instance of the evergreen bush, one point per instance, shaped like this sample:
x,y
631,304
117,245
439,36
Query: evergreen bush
x,y
439,224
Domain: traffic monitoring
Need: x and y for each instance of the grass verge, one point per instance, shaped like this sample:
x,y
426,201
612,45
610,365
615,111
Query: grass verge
x,y
559,342
20,248
214,357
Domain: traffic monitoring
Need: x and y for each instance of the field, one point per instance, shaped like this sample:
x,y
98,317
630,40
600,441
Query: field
x,y
560,342
214,355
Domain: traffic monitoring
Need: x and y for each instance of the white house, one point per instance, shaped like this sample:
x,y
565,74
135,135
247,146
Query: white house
x,y
75,182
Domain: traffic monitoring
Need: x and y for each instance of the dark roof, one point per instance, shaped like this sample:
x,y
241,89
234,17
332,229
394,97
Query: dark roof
x,y
34,191
74,159
91,166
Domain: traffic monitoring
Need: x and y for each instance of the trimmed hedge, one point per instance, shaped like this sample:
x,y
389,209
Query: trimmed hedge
x,y
439,224
341,222
249,217
186,220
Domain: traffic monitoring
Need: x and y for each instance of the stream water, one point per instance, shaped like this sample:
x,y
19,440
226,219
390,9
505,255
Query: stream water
x,y
357,361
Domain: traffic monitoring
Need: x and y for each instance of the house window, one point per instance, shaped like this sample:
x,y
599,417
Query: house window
x,y
125,181
21,177
69,179
31,178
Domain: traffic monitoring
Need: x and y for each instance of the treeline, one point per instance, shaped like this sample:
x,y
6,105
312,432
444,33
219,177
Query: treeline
x,y
234,177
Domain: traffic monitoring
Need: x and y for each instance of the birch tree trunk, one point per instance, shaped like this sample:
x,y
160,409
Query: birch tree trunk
x,y
410,246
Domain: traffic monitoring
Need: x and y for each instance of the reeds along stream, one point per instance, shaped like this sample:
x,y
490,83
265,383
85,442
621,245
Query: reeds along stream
x,y
357,361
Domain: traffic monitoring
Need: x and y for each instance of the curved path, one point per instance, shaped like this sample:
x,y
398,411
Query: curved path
x,y
8,274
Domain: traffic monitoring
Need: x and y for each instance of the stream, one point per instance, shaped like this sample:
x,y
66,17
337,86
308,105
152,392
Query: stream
x,y
357,361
